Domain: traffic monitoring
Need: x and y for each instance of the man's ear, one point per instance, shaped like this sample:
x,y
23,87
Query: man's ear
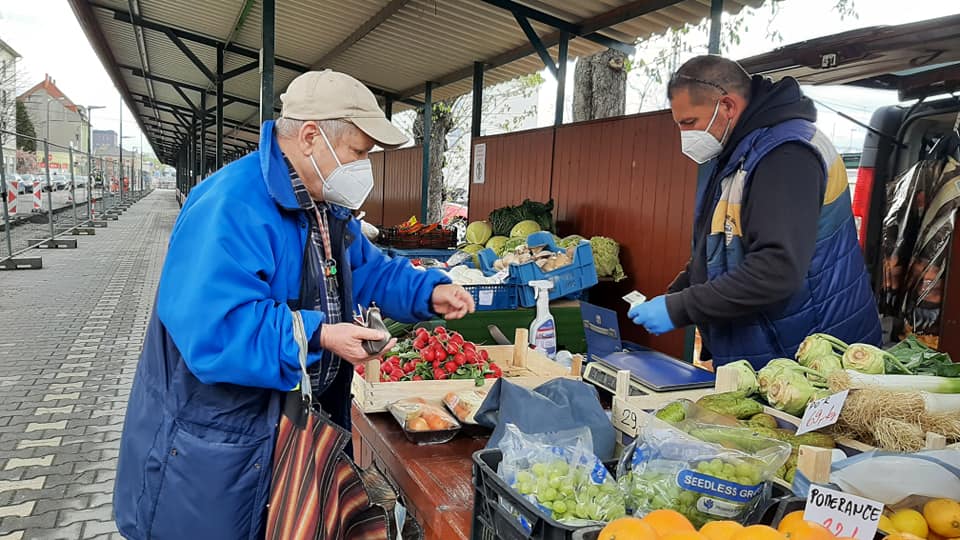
x,y
307,137
729,106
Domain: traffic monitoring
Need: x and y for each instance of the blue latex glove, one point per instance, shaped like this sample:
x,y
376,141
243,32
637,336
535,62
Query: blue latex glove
x,y
653,316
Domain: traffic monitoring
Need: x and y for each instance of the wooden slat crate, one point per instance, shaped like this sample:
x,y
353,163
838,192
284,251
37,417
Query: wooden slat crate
x,y
521,365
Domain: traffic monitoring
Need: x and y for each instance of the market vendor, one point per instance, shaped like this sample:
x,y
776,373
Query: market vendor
x,y
775,254
267,234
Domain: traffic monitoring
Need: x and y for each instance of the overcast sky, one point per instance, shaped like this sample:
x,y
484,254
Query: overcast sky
x,y
47,35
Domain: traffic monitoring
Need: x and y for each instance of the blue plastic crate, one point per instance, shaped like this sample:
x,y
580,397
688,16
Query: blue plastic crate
x,y
439,254
493,297
568,280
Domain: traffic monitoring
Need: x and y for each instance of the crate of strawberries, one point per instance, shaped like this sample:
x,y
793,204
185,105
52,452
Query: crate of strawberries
x,y
430,364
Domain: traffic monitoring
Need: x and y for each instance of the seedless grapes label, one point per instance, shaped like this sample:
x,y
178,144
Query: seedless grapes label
x,y
715,487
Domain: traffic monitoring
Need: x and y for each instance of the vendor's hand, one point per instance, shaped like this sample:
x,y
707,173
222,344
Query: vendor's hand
x,y
346,341
652,315
452,301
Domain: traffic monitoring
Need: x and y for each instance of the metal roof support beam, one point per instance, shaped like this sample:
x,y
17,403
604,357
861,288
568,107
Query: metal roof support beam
x,y
716,16
615,16
137,72
268,42
561,78
388,108
427,135
520,10
358,34
189,54
536,42
240,70
203,135
220,105
477,112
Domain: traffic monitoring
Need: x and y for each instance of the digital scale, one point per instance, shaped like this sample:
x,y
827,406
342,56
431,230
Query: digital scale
x,y
651,371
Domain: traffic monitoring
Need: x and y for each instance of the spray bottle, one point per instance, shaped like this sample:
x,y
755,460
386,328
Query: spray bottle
x,y
543,329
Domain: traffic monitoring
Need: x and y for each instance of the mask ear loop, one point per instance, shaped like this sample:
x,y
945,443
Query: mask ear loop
x,y
313,161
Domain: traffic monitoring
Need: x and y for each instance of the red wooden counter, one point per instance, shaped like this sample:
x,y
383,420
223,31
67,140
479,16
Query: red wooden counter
x,y
436,481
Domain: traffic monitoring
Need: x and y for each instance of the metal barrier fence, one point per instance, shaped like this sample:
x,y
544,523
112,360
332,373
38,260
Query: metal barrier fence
x,y
51,194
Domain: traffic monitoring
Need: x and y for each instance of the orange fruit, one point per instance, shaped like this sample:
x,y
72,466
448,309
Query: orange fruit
x,y
720,530
790,520
666,522
757,532
628,528
417,423
685,535
807,530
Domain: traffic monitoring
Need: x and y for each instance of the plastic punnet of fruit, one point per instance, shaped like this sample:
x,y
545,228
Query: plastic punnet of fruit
x,y
424,422
676,468
559,473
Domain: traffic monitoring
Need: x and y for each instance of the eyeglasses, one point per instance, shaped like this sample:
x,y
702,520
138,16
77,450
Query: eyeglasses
x,y
677,77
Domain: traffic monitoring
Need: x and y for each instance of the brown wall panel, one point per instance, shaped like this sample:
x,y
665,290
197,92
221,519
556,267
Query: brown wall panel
x,y
518,167
374,203
625,178
402,185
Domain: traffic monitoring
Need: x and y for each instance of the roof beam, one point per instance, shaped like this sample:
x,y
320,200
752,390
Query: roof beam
x,y
526,12
615,16
176,110
358,34
537,44
190,54
241,70
180,85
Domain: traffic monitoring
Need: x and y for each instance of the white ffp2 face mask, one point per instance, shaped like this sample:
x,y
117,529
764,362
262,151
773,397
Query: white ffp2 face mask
x,y
349,184
701,146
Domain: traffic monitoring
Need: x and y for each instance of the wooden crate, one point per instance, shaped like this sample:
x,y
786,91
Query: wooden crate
x,y
521,365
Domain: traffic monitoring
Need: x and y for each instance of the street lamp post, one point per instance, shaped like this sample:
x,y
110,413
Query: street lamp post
x,y
90,180
122,169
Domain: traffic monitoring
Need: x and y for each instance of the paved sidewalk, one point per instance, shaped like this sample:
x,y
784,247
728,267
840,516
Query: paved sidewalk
x,y
70,336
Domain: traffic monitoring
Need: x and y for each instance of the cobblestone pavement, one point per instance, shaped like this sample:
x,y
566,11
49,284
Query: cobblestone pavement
x,y
70,336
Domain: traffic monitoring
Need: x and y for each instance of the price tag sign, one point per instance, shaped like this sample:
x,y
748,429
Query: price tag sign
x,y
822,412
486,298
843,514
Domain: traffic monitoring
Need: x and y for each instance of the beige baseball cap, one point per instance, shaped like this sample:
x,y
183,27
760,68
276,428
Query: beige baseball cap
x,y
330,95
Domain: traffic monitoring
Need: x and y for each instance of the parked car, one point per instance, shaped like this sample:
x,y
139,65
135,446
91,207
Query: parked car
x,y
26,183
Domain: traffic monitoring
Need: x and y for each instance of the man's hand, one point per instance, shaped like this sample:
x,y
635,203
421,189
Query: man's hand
x,y
346,341
652,315
452,301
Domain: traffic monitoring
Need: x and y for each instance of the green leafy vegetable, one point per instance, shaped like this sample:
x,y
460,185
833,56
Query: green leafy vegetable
x,y
606,258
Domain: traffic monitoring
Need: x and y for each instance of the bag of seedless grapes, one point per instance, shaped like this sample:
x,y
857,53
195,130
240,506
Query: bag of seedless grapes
x,y
560,475
705,472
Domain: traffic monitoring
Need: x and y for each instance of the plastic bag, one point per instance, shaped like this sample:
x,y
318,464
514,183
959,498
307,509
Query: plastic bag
x,y
559,473
894,479
705,472
422,422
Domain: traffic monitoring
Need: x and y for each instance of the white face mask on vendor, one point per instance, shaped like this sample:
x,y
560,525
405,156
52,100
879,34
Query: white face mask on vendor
x,y
349,184
701,146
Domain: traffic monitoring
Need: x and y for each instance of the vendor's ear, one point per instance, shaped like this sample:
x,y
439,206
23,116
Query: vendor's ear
x,y
308,137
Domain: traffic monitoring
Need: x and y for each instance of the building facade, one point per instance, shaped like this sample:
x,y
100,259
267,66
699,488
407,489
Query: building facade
x,y
8,105
55,118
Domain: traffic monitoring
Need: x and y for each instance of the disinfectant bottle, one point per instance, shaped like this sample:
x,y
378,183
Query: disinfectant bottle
x,y
543,329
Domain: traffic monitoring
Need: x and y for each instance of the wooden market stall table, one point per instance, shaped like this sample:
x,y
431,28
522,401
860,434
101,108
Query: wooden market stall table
x,y
435,481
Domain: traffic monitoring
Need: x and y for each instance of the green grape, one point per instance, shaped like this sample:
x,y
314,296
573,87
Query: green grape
x,y
560,507
524,476
524,488
548,494
593,490
556,481
539,469
546,504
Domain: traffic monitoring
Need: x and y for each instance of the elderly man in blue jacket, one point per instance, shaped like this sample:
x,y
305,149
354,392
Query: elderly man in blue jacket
x,y
266,235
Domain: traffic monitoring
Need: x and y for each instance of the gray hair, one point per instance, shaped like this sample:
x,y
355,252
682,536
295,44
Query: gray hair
x,y
334,129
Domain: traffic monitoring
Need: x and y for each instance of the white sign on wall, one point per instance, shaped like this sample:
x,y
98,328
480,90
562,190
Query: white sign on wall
x,y
479,163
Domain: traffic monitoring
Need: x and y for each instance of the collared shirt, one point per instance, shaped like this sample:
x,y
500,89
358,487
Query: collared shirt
x,y
324,372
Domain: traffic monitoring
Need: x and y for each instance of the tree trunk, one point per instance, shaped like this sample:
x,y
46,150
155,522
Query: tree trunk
x,y
599,86
442,123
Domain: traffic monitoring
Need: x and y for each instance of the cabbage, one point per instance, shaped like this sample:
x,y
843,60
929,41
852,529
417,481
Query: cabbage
x,y
524,229
606,257
479,232
571,241
513,244
473,249
496,243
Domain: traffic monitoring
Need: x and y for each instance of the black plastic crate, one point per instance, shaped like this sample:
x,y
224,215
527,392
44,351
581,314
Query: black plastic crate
x,y
491,521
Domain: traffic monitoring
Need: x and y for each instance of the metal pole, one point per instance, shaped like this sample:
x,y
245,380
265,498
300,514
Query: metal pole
x,y
219,161
388,108
120,146
268,15
561,77
477,99
716,15
427,131
73,188
141,163
46,160
203,134
6,211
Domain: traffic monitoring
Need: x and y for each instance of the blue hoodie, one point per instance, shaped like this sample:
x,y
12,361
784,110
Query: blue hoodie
x,y
197,446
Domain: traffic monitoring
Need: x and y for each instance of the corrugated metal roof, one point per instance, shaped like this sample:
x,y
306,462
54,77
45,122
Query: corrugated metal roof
x,y
417,41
